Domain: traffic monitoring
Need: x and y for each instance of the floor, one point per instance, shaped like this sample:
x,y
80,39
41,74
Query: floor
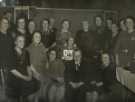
x,y
120,94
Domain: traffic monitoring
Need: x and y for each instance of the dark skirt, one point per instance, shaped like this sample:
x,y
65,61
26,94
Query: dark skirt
x,y
17,87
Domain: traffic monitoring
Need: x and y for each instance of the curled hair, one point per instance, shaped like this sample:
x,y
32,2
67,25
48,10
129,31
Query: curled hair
x,y
66,20
131,17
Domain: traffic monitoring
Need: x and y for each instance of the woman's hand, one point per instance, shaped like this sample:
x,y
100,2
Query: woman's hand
x,y
99,84
60,80
20,75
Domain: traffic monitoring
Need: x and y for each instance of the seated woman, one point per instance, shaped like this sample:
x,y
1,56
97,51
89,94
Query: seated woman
x,y
108,71
55,88
21,82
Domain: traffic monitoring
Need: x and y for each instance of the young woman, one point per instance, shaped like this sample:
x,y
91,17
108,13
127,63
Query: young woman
x,y
122,25
6,53
85,40
68,50
21,82
56,73
38,53
113,38
63,35
21,30
48,36
100,35
108,71
31,29
52,90
125,49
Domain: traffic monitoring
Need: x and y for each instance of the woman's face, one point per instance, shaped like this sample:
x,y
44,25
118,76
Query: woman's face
x,y
129,23
70,41
45,24
37,38
20,42
77,56
123,26
114,28
31,26
85,25
65,25
21,23
98,21
52,55
109,23
105,59
4,24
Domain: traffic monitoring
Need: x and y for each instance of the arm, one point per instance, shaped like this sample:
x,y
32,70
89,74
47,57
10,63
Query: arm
x,y
19,75
35,73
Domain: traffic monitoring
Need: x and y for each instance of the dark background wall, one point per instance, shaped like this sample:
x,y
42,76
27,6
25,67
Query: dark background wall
x,y
125,7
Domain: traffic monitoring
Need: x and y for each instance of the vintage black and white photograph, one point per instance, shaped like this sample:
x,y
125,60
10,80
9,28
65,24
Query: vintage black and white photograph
x,y
67,50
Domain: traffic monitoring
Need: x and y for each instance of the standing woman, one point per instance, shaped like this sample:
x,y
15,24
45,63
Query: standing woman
x,y
31,29
48,36
113,38
21,30
125,49
122,25
63,35
56,74
21,82
38,54
6,51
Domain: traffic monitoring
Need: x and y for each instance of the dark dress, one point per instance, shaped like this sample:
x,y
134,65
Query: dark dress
x,y
17,87
125,48
85,42
48,38
108,76
6,50
100,38
74,73
6,55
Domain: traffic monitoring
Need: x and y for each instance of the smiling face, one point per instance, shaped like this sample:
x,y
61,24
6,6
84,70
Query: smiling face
x,y
21,23
109,23
114,28
31,26
98,21
105,59
65,25
77,56
45,24
130,23
4,25
20,42
70,41
52,55
85,25
123,25
37,38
